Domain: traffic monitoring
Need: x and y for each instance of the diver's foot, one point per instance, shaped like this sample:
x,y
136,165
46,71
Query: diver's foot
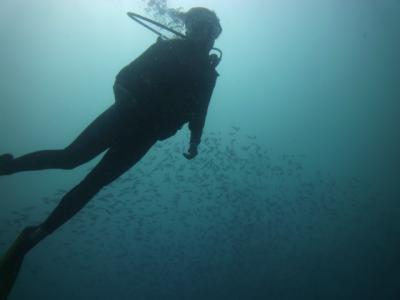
x,y
11,262
5,165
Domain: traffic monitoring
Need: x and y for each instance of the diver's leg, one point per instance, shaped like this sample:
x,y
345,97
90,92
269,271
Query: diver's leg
x,y
91,142
115,162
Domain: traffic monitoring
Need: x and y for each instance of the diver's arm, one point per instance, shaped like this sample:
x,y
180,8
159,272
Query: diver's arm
x,y
196,123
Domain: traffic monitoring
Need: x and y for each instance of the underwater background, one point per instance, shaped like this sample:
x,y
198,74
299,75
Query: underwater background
x,y
295,191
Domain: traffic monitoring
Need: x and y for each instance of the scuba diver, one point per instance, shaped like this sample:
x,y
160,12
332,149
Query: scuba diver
x,y
167,86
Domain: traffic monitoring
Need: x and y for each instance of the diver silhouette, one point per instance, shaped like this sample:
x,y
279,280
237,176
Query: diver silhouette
x,y
167,86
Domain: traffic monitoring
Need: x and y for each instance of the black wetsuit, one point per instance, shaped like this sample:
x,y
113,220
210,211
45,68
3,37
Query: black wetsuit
x,y
173,84
164,88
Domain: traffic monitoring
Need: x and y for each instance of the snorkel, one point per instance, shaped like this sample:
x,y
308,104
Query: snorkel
x,y
141,20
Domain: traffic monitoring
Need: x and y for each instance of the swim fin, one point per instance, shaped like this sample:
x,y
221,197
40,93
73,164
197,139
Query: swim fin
x,y
10,263
5,161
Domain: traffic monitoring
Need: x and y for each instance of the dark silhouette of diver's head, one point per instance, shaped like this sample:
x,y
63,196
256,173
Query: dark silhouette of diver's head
x,y
202,26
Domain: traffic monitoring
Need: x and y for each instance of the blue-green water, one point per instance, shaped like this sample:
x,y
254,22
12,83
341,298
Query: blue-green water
x,y
294,194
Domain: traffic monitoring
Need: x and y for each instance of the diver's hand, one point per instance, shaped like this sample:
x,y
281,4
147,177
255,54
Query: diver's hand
x,y
192,152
